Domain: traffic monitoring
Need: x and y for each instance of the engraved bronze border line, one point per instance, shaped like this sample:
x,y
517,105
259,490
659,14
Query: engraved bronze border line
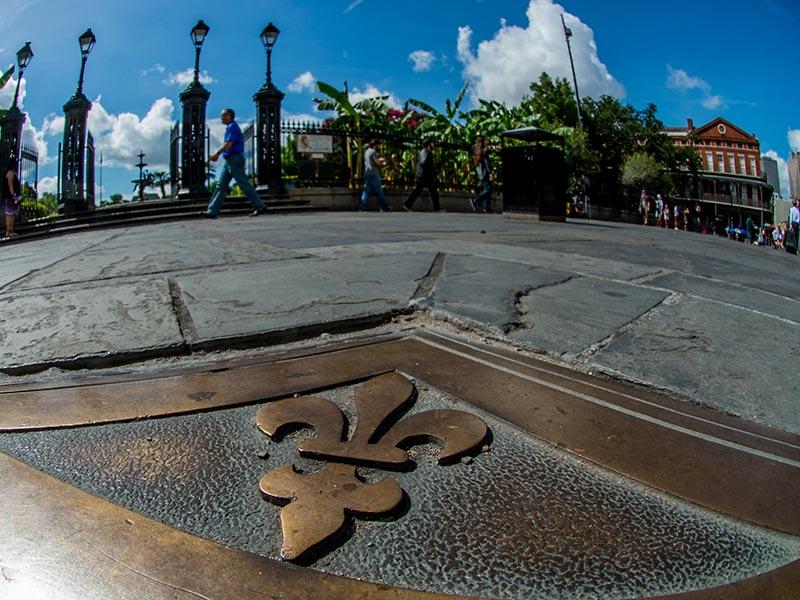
x,y
623,389
170,372
742,484
700,419
65,543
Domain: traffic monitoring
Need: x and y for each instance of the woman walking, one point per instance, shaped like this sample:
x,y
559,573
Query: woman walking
x,y
10,195
480,157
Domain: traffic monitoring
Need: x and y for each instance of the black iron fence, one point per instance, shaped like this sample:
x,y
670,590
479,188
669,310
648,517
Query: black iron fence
x,y
29,179
315,154
319,155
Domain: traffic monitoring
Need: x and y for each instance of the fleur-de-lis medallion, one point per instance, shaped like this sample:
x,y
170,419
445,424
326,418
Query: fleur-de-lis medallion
x,y
319,501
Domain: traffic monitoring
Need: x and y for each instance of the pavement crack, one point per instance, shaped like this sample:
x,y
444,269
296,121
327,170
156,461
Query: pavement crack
x,y
519,312
428,282
649,276
593,349
182,314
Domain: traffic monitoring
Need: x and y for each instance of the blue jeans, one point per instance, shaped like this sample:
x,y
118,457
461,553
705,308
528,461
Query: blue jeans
x,y
233,168
485,196
372,184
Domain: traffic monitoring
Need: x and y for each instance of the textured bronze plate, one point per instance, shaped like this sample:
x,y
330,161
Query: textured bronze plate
x,y
739,469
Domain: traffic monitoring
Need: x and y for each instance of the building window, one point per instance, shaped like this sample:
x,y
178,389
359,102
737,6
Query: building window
x,y
753,170
709,161
742,168
720,162
731,164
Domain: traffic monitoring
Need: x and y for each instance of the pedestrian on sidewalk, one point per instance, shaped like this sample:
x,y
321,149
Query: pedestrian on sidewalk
x,y
790,238
426,177
373,162
232,151
10,195
480,156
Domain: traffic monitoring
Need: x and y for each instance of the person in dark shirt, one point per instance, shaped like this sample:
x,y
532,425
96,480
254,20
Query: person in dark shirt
x,y
10,195
426,177
232,151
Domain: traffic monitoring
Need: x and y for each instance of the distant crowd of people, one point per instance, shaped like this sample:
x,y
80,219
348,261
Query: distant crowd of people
x,y
678,216
782,236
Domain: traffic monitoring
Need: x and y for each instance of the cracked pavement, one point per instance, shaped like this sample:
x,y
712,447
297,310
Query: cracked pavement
x,y
711,321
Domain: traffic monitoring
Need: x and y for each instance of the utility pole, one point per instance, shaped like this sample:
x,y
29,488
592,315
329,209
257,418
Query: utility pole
x,y
567,36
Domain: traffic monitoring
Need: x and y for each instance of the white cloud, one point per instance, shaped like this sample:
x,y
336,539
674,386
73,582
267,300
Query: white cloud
x,y
681,81
156,68
794,139
357,95
121,137
352,5
7,93
303,82
423,60
36,138
504,67
48,184
783,172
712,102
678,79
186,77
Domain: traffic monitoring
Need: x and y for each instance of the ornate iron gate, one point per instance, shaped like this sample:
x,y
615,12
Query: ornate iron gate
x,y
174,158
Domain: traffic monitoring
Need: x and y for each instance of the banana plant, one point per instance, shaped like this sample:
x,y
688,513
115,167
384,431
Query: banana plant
x,y
443,126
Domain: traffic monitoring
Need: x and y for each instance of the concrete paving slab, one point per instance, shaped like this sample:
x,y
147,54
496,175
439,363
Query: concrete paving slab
x,y
569,317
739,295
585,265
80,324
19,260
487,290
736,360
254,301
153,252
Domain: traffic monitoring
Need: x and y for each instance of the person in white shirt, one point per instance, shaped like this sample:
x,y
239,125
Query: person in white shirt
x,y
794,228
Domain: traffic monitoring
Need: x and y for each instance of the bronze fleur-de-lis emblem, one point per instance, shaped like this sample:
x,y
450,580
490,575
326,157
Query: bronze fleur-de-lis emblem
x,y
320,502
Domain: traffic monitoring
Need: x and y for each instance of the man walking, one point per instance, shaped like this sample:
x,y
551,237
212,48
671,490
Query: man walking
x,y
232,151
372,177
426,177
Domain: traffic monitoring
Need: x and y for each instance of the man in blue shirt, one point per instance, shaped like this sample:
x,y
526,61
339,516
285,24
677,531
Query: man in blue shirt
x,y
233,168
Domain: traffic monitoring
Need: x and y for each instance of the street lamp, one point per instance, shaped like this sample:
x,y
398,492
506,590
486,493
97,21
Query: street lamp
x,y
13,120
268,37
87,41
198,34
567,36
77,177
268,99
193,138
24,56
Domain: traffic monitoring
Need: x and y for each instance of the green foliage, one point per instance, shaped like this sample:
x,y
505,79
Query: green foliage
x,y
159,179
643,171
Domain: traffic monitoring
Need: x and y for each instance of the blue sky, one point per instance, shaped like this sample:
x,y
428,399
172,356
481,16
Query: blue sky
x,y
670,53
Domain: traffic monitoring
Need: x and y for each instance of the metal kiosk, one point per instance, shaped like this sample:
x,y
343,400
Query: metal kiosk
x,y
534,176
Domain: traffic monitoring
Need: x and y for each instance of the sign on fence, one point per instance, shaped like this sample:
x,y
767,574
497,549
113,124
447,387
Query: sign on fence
x,y
314,144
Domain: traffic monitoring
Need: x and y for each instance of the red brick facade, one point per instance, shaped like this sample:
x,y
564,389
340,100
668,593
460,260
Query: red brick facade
x,y
730,172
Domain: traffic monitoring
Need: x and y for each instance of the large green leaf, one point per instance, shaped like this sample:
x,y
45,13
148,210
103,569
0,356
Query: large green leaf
x,y
341,98
4,79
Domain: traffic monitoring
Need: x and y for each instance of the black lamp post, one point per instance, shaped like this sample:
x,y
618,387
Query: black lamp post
x,y
14,119
269,168
76,115
567,36
193,148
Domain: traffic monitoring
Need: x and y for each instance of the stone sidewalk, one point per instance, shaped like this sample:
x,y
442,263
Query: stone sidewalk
x,y
708,320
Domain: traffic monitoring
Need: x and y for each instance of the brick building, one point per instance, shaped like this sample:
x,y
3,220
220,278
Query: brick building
x,y
731,185
794,175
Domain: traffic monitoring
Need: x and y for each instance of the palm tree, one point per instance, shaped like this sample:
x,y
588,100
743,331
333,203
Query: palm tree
x,y
160,179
